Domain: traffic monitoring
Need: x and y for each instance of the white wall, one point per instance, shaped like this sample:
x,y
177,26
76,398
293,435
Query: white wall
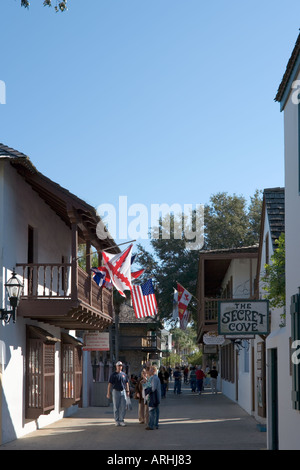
x,y
289,419
273,340
240,271
20,206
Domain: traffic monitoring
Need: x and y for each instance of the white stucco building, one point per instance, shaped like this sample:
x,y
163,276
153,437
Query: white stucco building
x,y
228,275
41,354
286,373
272,226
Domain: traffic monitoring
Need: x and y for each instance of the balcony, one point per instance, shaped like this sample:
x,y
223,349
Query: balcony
x,y
64,295
211,311
141,343
223,274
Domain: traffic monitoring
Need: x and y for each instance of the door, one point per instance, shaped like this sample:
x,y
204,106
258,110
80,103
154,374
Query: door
x,y
236,376
261,379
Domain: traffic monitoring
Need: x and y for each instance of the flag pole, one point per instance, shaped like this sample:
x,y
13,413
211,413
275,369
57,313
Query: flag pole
x,y
105,249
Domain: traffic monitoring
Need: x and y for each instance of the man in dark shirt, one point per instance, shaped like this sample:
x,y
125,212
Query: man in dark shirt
x,y
213,379
177,380
119,386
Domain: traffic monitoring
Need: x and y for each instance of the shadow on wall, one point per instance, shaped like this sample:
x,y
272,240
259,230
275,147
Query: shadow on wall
x,y
7,432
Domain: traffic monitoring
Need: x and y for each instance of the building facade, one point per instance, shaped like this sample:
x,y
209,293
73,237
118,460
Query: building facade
x,y
228,275
283,360
41,374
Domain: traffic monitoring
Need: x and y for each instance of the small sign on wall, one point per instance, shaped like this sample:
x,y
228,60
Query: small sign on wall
x,y
243,317
96,341
210,349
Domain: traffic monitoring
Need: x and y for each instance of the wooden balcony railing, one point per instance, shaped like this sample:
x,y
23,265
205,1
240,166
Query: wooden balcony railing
x,y
54,281
46,280
211,310
149,343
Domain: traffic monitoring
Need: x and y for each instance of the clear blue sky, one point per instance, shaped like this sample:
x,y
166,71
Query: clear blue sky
x,y
164,101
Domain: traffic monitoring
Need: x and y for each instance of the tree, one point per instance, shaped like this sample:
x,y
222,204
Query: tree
x,y
228,223
184,339
195,359
168,263
82,257
59,5
254,218
274,277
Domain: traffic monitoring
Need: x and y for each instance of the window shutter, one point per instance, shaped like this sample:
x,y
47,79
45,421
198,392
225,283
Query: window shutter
x,y
40,372
71,370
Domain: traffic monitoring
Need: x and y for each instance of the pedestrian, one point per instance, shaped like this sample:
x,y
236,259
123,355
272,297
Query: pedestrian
x,y
118,387
163,377
140,396
213,380
170,373
200,376
207,378
186,374
146,385
167,377
193,381
154,399
177,380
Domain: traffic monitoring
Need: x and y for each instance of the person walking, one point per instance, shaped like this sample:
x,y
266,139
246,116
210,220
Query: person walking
x,y
163,377
118,387
213,380
207,377
200,376
146,385
177,380
154,399
193,381
186,374
143,414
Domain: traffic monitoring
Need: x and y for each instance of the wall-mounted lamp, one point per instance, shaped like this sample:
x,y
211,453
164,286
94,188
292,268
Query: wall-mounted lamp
x,y
14,289
240,344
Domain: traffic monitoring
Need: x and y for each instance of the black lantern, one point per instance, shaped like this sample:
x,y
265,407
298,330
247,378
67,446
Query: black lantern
x,y
14,290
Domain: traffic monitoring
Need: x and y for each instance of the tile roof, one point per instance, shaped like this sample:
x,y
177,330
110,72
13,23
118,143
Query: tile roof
x,y
289,69
241,249
57,197
274,202
127,315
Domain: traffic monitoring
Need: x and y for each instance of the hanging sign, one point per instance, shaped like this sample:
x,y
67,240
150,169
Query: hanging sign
x,y
96,341
212,337
243,317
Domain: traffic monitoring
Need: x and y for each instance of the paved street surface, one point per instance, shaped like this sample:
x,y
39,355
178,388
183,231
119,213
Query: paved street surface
x,y
187,422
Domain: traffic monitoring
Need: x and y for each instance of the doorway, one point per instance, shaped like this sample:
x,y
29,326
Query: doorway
x,y
273,406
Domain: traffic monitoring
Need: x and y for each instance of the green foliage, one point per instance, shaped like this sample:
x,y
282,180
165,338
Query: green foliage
x,y
228,223
274,277
184,339
195,359
82,257
172,359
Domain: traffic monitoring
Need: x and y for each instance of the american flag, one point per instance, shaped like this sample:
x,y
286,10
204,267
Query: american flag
x,y
144,300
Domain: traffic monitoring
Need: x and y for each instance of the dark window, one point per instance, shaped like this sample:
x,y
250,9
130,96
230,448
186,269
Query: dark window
x,y
227,363
71,370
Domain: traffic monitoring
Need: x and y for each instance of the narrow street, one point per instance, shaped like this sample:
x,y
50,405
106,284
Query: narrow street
x,y
187,422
